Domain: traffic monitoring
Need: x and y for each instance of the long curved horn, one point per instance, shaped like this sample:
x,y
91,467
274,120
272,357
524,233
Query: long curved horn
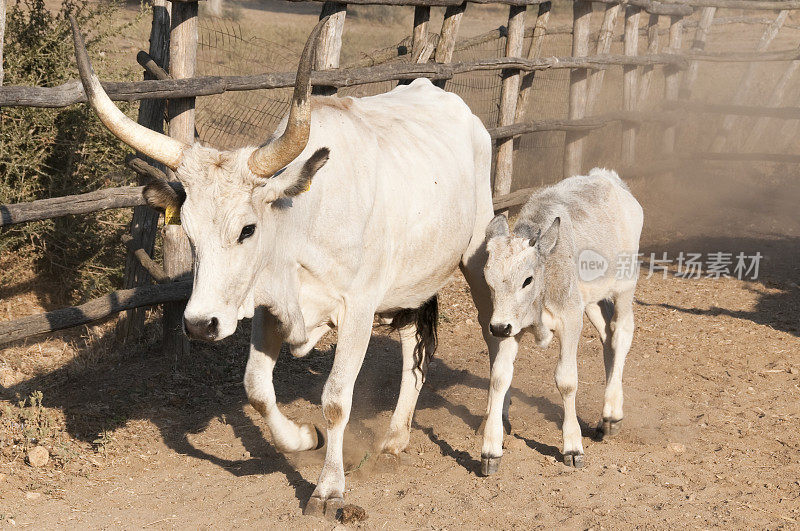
x,y
153,144
268,159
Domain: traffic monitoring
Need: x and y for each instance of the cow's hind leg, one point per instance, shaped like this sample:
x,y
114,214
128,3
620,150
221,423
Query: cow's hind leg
x,y
264,349
355,329
621,337
600,314
418,343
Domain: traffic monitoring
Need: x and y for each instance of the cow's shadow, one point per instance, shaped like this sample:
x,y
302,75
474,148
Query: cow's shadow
x,y
139,382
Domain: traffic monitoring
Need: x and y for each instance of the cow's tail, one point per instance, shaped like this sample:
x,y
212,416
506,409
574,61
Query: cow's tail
x,y
426,320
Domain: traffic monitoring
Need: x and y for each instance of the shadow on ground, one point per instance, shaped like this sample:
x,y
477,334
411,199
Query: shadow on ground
x,y
777,287
138,382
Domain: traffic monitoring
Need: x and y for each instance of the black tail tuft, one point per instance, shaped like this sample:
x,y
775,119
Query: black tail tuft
x,y
426,319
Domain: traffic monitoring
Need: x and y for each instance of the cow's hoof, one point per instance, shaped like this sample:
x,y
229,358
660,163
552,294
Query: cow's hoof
x,y
328,508
573,459
608,427
318,436
490,465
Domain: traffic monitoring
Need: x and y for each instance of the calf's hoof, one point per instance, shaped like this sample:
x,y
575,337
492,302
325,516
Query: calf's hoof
x,y
608,427
489,465
327,508
573,459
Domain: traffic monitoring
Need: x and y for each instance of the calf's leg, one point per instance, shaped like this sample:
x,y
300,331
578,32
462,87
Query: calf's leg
x,y
621,338
567,382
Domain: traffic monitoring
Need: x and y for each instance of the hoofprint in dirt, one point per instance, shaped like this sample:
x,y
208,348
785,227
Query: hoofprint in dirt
x,y
709,438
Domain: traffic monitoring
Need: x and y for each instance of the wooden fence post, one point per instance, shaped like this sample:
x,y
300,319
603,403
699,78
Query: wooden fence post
x,y
2,37
177,252
578,87
504,166
721,138
698,45
647,71
330,42
422,15
775,100
144,224
672,79
447,37
604,38
630,83
534,52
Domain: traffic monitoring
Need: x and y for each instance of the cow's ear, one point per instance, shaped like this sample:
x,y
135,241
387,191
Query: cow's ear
x,y
497,227
292,183
162,195
548,240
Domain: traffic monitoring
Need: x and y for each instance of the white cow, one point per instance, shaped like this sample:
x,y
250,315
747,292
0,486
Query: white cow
x,y
559,262
354,207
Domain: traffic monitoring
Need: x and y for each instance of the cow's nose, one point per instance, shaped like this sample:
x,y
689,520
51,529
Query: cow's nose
x,y
205,329
500,330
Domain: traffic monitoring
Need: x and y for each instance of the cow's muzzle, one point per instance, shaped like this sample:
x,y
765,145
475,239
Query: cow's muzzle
x,y
205,329
500,330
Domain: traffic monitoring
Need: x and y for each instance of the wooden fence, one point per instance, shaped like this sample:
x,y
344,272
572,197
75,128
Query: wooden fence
x,y
174,37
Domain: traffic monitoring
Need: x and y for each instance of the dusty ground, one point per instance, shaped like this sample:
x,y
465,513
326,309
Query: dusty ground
x,y
710,433
710,437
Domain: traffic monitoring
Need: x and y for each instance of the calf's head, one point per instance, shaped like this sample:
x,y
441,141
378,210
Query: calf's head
x,y
515,272
224,197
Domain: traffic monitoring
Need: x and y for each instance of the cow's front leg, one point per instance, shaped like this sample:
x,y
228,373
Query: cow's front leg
x,y
265,345
355,330
397,437
502,353
567,383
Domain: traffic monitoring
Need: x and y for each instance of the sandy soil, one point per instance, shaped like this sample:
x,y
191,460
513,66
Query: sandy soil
x,y
709,439
710,436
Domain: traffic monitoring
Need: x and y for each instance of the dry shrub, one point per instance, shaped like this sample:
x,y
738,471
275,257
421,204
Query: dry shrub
x,y
56,152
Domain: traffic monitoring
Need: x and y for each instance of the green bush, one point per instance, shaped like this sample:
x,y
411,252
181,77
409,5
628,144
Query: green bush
x,y
56,152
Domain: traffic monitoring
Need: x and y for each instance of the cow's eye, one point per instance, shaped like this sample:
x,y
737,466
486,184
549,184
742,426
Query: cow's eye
x,y
527,281
247,231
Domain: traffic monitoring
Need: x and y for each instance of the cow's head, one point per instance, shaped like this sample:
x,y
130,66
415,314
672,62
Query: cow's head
x,y
222,197
515,273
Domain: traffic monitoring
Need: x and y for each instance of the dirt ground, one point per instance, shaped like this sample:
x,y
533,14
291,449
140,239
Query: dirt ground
x,y
710,433
710,437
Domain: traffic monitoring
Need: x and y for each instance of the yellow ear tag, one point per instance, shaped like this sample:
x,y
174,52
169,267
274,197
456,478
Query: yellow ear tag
x,y
172,216
308,187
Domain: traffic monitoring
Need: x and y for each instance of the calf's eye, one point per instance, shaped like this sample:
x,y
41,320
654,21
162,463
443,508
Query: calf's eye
x,y
527,281
247,231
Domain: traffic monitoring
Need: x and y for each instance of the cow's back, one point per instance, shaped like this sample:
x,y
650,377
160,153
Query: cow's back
x,y
394,208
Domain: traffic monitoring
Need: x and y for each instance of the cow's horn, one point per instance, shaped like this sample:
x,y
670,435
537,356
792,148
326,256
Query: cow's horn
x,y
270,158
153,144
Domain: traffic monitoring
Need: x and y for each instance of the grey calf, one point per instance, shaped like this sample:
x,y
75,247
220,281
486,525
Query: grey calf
x,y
573,250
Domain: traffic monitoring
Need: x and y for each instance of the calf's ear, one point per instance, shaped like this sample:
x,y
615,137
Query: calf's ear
x,y
497,227
548,240
163,195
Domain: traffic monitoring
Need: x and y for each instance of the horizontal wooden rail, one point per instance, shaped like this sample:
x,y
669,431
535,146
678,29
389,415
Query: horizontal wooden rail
x,y
781,113
745,4
151,266
743,157
581,124
122,197
654,7
72,91
651,6
94,310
